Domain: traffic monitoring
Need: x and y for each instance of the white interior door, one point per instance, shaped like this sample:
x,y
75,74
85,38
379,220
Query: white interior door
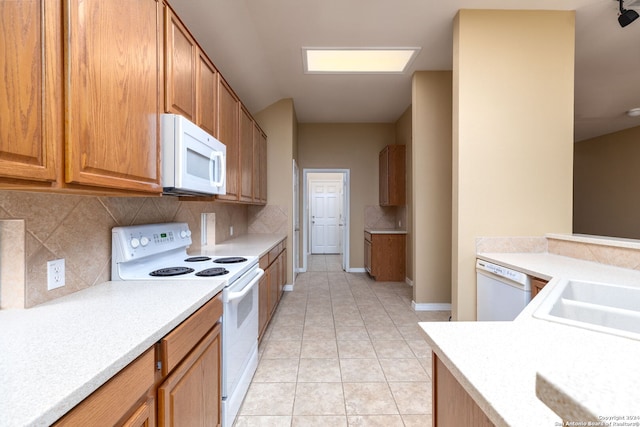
x,y
325,217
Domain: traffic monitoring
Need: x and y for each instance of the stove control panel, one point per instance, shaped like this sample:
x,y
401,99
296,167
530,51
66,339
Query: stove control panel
x,y
139,241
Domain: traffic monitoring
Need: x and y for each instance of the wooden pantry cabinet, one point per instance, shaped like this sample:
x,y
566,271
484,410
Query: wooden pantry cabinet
x,y
176,382
392,181
384,256
83,80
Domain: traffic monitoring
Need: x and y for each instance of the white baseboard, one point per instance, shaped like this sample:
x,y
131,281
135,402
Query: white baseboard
x,y
356,270
288,287
408,281
430,306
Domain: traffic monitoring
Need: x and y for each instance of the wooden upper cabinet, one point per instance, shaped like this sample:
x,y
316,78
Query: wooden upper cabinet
x,y
31,101
180,67
114,87
228,134
206,93
246,156
259,166
392,175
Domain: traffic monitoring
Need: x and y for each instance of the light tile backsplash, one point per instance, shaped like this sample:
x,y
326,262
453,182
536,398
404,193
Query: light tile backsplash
x,y
268,219
78,229
511,244
384,217
595,249
602,253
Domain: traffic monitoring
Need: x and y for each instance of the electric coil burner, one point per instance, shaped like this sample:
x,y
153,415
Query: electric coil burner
x,y
197,259
230,260
212,272
171,271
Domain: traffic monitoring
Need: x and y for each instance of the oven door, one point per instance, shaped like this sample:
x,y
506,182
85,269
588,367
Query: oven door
x,y
239,341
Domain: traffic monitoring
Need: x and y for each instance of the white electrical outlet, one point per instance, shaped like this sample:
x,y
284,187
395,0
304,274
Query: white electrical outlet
x,y
55,274
231,230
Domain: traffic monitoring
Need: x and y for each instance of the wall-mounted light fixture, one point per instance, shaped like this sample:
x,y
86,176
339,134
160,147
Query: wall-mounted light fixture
x,y
626,16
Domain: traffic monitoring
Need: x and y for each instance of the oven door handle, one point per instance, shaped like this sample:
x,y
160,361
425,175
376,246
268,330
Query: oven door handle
x,y
237,295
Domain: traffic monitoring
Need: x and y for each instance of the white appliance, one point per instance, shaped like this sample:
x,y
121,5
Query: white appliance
x,y
193,162
159,252
502,293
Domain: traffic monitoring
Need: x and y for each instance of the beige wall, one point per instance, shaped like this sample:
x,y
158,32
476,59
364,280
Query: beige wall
x,y
512,133
431,190
354,147
78,229
281,126
404,132
607,184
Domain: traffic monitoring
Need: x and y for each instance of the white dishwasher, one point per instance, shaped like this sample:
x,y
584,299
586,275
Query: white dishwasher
x,y
502,293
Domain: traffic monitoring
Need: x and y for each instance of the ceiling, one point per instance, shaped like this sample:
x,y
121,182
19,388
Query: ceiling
x,y
257,46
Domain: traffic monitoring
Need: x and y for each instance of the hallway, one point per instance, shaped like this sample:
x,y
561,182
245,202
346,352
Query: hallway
x,y
342,350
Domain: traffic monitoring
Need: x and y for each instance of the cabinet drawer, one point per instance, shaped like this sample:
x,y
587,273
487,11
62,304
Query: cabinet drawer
x,y
177,343
111,402
273,253
264,261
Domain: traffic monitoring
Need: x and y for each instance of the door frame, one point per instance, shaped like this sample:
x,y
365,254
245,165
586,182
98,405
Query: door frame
x,y
305,216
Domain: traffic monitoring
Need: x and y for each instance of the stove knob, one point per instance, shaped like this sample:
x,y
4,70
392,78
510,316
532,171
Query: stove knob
x,y
183,234
188,233
144,241
134,243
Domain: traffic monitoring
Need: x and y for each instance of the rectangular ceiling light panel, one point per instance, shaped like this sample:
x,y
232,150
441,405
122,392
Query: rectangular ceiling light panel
x,y
358,61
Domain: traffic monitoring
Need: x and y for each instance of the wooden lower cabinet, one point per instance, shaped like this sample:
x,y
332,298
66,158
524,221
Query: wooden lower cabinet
x,y
384,256
537,285
274,264
126,399
452,405
191,395
177,382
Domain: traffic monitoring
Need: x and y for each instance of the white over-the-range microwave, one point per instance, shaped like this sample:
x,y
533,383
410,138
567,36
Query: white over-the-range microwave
x,y
193,162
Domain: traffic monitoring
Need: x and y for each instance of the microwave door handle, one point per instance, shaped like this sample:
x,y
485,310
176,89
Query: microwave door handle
x,y
237,295
220,181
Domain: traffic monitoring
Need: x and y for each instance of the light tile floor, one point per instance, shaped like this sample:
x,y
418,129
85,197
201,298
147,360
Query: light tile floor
x,y
342,350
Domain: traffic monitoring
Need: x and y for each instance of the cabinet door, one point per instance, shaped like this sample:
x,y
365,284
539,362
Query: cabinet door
x,y
114,93
257,197
274,279
31,102
246,156
263,302
206,89
367,257
144,416
262,174
228,111
383,179
180,68
190,396
283,273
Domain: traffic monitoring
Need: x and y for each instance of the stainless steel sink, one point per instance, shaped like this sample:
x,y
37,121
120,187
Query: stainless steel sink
x,y
609,308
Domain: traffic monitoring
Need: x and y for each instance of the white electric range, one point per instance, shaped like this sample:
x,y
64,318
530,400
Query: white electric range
x,y
159,252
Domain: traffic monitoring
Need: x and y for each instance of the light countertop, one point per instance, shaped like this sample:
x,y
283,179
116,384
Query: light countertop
x,y
579,373
54,355
385,231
